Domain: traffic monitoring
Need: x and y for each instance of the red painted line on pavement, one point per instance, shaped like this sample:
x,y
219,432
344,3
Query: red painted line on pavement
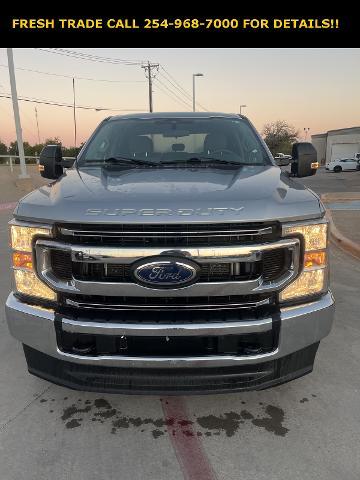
x,y
186,441
7,206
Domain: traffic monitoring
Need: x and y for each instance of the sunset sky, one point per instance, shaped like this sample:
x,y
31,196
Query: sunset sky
x,y
313,88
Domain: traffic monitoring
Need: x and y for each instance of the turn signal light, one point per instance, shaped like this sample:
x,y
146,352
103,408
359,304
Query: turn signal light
x,y
314,259
22,260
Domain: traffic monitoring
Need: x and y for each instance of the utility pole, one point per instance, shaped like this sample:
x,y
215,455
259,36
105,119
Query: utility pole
x,y
73,83
37,124
149,75
15,103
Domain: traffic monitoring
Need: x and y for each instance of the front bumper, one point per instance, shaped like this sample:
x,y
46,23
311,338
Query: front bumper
x,y
301,329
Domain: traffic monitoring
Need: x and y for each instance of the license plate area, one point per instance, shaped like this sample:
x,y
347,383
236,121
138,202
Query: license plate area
x,y
167,346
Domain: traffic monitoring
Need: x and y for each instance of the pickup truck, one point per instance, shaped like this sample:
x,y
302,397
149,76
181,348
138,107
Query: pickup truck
x,y
173,256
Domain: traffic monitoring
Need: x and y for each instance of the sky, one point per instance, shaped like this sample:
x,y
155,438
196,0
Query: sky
x,y
317,89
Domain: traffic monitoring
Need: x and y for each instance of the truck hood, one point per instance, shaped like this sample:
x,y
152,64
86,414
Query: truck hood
x,y
172,195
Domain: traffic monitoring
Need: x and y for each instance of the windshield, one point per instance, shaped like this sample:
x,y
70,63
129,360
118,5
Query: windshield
x,y
166,140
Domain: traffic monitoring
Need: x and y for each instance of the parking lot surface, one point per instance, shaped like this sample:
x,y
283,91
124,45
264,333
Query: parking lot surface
x,y
327,182
306,429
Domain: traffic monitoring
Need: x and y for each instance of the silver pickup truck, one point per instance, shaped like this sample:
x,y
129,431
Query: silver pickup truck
x,y
173,256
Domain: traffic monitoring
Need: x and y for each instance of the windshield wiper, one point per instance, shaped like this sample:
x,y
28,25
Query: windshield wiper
x,y
118,160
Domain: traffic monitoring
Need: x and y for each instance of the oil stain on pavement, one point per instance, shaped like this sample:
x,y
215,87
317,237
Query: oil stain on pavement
x,y
100,410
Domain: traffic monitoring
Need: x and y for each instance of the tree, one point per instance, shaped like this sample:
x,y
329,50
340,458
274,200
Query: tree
x,y
70,151
280,136
13,148
3,148
35,150
52,141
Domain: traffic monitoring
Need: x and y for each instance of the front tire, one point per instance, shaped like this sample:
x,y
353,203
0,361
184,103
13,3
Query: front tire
x,y
337,169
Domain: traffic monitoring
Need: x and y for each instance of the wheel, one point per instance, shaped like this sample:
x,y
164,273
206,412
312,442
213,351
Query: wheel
x,y
337,169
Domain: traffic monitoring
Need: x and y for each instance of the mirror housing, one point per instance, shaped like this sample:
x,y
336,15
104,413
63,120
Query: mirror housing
x,y
51,162
304,159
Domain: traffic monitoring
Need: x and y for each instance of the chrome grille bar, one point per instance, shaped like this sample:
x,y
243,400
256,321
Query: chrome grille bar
x,y
205,306
227,254
169,234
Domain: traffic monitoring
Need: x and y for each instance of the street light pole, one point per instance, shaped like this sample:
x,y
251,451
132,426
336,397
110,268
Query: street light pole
x,y
15,103
306,130
195,75
37,124
241,107
74,109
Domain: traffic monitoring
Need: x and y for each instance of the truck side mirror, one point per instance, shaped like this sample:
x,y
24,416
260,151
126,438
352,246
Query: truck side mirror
x,y
50,162
304,162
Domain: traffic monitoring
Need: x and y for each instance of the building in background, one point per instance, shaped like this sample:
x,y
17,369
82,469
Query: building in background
x,y
335,144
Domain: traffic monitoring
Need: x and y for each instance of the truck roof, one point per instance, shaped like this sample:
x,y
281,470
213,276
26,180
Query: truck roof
x,y
147,115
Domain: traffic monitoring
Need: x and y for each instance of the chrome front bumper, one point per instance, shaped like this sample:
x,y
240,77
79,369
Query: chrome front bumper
x,y
300,327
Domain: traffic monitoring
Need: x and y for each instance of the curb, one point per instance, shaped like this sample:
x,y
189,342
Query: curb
x,y
349,246
340,197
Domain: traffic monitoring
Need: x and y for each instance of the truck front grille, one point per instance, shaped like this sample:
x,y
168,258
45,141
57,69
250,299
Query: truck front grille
x,y
240,265
61,264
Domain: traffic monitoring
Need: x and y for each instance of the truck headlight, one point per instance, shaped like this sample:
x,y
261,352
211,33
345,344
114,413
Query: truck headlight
x,y
22,239
313,279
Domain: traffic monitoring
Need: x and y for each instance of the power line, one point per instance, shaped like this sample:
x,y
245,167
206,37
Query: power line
x,y
187,105
181,89
76,78
184,100
24,127
169,95
148,67
176,84
68,105
96,58
90,57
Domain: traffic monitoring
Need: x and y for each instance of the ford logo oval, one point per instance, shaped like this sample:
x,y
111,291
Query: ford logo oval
x,y
165,272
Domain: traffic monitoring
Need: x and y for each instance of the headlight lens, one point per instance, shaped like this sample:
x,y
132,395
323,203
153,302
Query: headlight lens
x,y
315,236
26,280
22,237
313,279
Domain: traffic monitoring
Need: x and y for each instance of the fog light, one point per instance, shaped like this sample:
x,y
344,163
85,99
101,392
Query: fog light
x,y
28,283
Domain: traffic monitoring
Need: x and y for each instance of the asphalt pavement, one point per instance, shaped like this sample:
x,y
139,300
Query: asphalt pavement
x,y
304,430
325,181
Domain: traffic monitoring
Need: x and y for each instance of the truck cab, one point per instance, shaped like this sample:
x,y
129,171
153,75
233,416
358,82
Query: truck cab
x,y
173,256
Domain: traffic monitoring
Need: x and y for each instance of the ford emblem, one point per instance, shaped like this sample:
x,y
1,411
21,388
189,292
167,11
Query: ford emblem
x,y
165,272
